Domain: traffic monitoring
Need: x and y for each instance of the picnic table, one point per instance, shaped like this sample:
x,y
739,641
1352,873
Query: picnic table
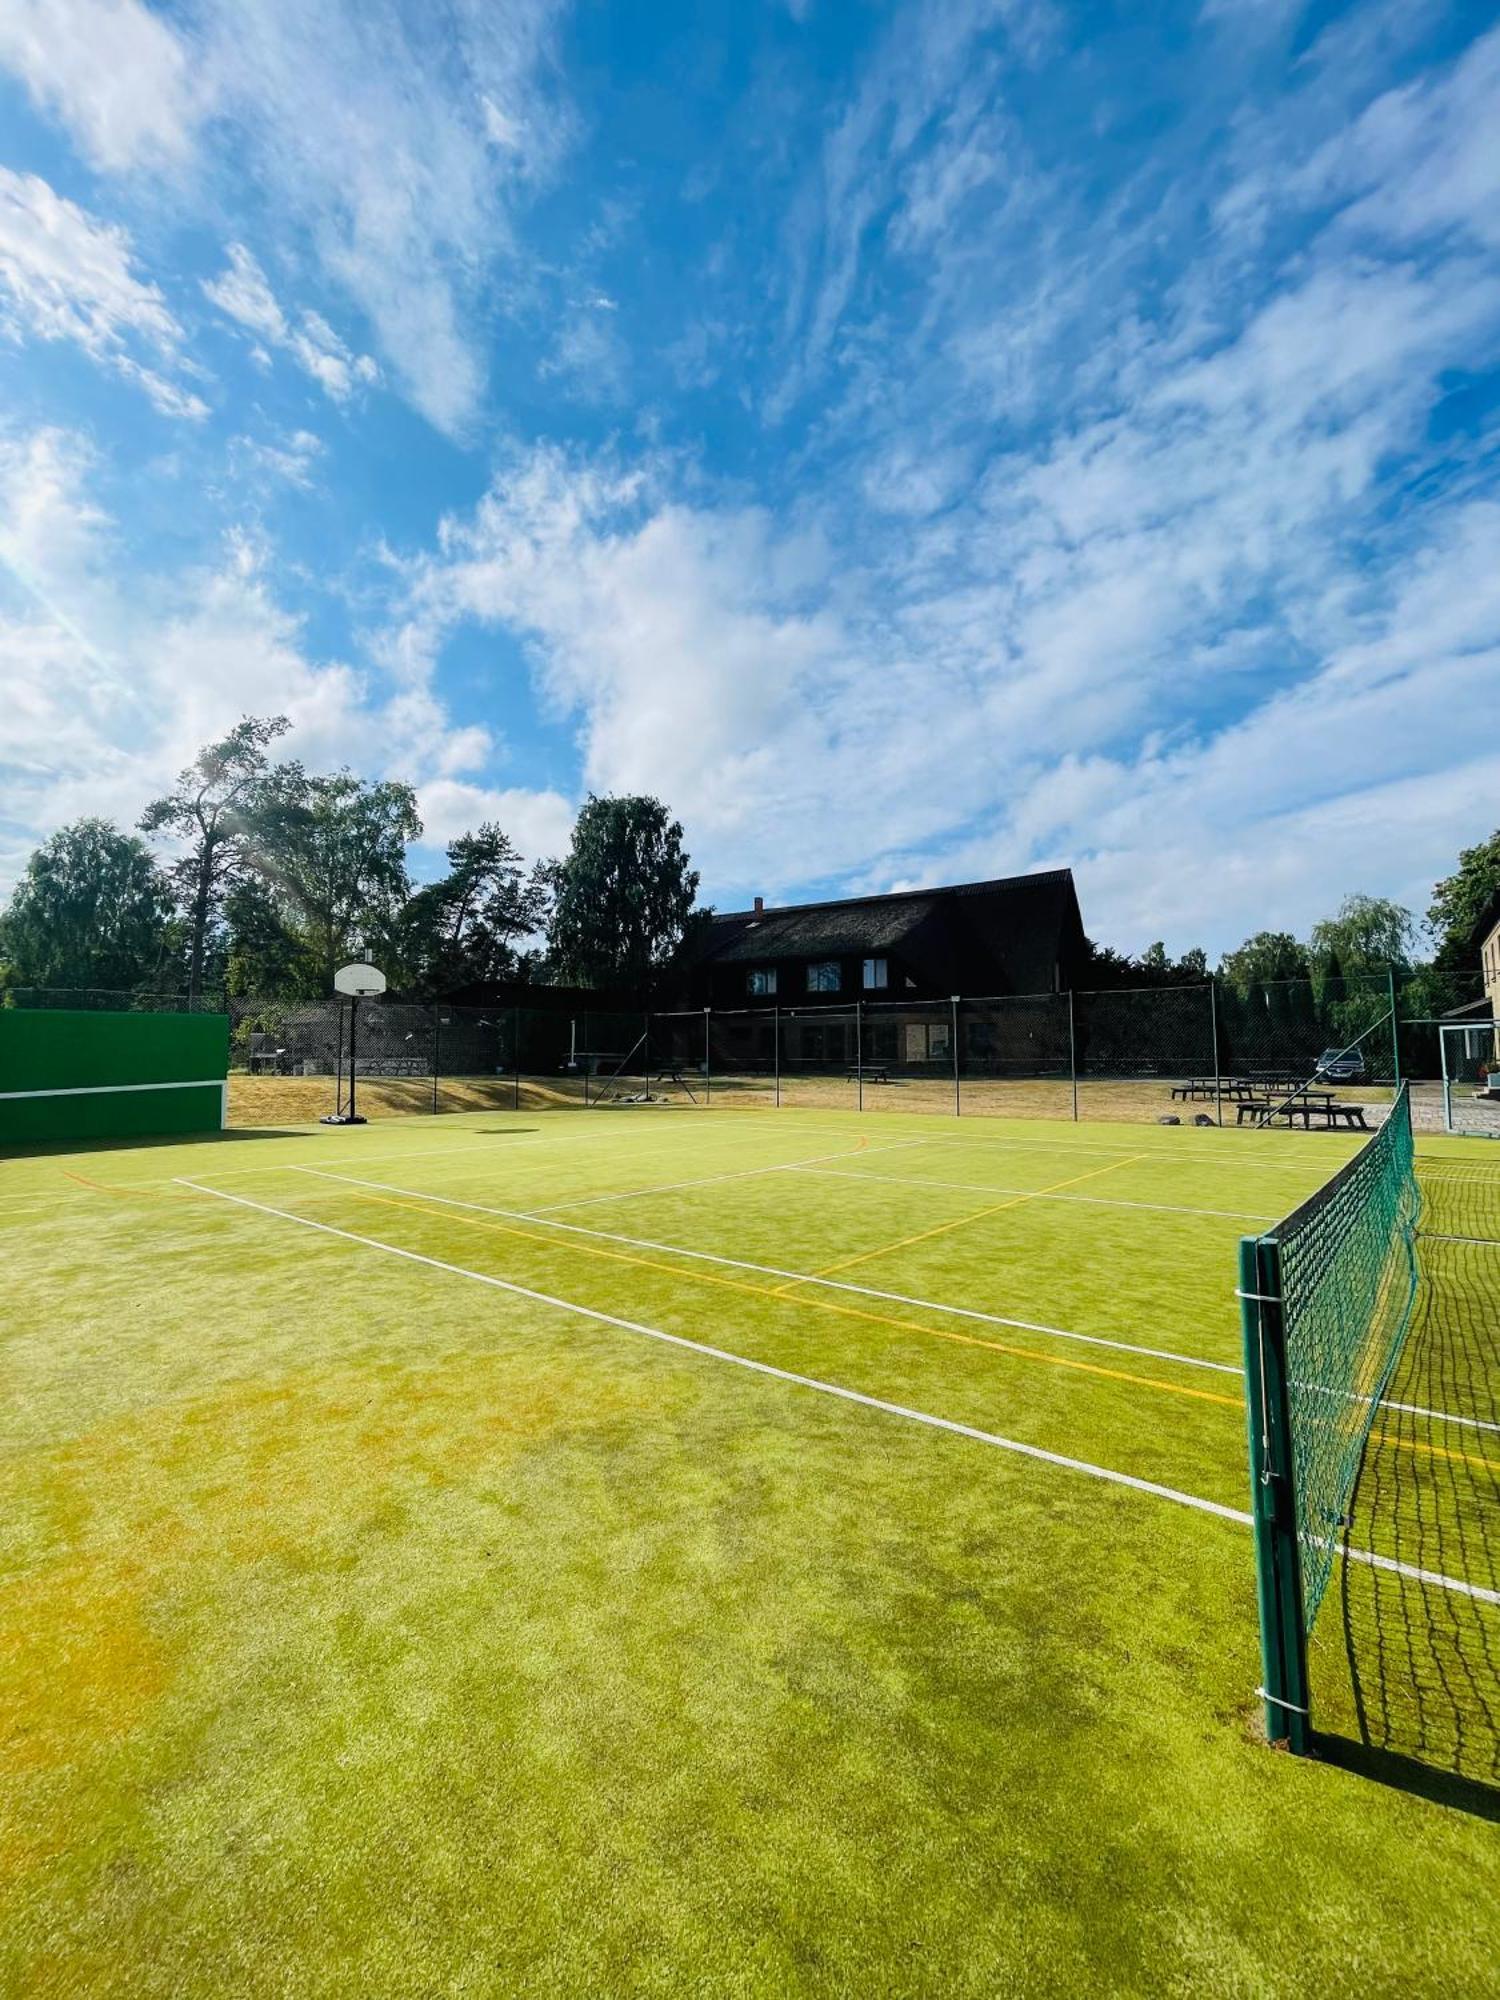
x,y
1306,1105
1231,1087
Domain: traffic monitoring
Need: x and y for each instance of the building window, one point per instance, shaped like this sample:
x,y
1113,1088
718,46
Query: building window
x,y
877,975
763,983
823,976
927,1041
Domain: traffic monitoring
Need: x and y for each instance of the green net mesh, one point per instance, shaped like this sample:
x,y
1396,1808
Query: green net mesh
x,y
1347,1281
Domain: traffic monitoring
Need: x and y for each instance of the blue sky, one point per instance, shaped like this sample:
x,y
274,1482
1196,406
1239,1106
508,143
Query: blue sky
x,y
917,442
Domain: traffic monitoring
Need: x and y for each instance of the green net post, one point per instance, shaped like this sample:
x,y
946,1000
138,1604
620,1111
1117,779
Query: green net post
x,y
1390,978
1278,1563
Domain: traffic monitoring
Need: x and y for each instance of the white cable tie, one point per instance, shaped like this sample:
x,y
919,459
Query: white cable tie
x,y
1277,1701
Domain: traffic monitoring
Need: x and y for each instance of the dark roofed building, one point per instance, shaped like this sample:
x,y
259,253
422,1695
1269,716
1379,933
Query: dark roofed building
x,y
1022,934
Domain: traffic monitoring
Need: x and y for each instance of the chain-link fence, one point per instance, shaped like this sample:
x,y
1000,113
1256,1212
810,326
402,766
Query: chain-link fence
x,y
1212,1050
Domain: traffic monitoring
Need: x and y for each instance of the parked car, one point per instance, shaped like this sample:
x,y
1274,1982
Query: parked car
x,y
1342,1065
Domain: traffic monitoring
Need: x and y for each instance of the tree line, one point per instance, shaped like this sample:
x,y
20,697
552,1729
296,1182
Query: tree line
x,y
1365,936
264,877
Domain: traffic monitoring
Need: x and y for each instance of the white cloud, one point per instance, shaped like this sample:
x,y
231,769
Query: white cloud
x,y
112,70
66,276
398,152
115,676
394,149
243,292
290,460
540,823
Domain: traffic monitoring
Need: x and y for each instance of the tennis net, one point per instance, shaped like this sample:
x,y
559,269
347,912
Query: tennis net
x,y
1328,1298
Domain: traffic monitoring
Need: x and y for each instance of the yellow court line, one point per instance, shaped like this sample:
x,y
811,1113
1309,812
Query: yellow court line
x,y
941,1228
815,1304
1006,1348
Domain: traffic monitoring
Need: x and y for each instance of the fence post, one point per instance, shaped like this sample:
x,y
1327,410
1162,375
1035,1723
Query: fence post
x,y
1278,1558
646,1048
1390,982
859,1055
1073,1054
586,1052
1213,1024
436,1038
708,1061
515,1055
776,1049
958,1103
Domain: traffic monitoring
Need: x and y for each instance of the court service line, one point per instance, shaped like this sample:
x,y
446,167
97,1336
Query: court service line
x,y
1007,1348
1106,1474
963,1221
807,1304
714,1180
1090,1200
861,1291
777,1271
1000,1138
451,1150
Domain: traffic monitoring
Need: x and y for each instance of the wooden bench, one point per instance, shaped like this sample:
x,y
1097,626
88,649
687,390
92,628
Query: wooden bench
x,y
1319,1105
871,1073
1230,1089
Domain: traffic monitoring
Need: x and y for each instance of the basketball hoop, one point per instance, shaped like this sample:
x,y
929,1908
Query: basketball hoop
x,y
356,982
359,981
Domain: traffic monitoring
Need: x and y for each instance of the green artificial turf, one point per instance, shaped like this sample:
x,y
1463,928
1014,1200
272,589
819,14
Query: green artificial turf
x,y
371,1629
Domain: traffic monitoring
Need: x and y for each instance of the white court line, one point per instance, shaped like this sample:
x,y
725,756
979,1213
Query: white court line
x,y
863,1291
448,1151
713,1180
1107,1474
1090,1200
1480,1242
996,1140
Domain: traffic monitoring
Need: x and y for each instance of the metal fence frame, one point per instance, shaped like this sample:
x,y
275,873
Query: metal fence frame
x,y
1109,1052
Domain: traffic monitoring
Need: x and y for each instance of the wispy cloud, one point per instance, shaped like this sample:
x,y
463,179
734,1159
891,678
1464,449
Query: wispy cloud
x,y
64,275
390,143
243,293
116,74
115,676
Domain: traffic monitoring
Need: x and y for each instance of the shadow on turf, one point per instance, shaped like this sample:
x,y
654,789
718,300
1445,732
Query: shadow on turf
x,y
1424,1662
63,1149
1410,1774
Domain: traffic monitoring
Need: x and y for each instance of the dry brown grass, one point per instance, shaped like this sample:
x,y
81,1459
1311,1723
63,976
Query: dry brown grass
x,y
300,1100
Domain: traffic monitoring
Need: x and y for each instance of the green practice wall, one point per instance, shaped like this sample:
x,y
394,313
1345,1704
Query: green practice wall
x,y
47,1050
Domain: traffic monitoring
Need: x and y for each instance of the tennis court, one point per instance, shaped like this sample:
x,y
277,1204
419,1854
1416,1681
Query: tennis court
x,y
694,1550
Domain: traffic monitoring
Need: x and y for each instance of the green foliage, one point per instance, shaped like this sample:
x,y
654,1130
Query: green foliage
x,y
262,954
466,927
211,812
332,852
92,909
1366,934
1104,968
1264,959
1464,904
623,896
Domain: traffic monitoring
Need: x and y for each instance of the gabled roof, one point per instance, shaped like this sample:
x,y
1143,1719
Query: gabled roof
x,y
1014,926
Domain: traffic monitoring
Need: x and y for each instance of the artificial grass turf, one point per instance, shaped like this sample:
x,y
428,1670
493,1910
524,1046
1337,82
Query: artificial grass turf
x,y
374,1630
